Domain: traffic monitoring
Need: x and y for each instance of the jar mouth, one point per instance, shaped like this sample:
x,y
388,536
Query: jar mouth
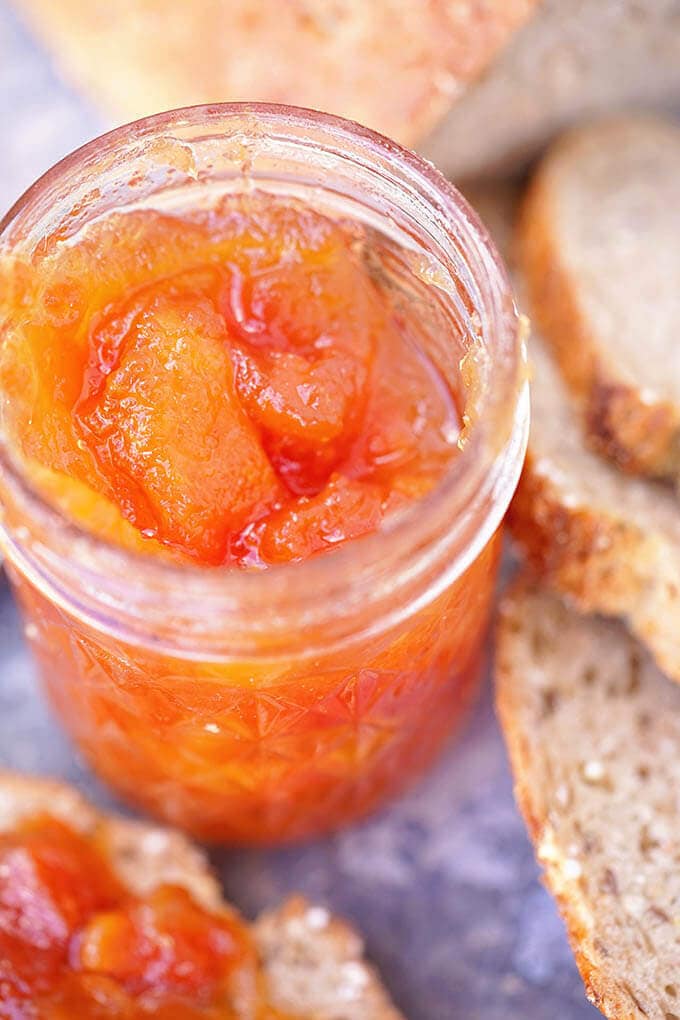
x,y
457,517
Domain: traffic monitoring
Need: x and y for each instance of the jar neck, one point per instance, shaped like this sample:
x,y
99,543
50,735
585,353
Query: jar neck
x,y
372,584
369,583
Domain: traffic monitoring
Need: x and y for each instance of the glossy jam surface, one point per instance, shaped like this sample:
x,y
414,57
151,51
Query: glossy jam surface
x,y
75,942
235,382
241,387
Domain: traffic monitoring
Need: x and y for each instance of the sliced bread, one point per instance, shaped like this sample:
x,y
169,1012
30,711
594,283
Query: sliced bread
x,y
312,965
574,61
599,246
609,541
593,731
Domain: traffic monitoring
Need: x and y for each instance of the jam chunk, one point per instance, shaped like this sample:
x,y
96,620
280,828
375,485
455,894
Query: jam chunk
x,y
342,510
308,411
43,898
182,457
164,946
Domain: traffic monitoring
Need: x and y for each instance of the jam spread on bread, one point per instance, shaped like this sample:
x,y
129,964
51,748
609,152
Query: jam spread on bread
x,y
75,942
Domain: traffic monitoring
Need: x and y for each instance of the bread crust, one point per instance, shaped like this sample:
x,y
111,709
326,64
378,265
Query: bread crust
x,y
395,67
310,961
606,980
639,431
603,563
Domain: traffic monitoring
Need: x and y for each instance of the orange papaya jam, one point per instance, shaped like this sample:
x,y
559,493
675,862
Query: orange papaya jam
x,y
243,389
76,942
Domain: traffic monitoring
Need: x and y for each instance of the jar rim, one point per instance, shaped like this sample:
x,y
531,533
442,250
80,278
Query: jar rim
x,y
106,564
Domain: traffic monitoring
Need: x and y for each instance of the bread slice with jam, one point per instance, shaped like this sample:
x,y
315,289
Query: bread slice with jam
x,y
593,731
308,964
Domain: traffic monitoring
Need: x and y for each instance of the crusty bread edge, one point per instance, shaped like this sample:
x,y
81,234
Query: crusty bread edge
x,y
574,910
602,563
641,436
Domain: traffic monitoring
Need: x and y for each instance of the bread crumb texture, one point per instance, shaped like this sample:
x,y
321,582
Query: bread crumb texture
x,y
593,731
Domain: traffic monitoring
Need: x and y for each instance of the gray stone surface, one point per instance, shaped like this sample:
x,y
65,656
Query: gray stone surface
x,y
443,883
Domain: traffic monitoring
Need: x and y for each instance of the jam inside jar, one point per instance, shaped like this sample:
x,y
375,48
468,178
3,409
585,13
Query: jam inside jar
x,y
263,410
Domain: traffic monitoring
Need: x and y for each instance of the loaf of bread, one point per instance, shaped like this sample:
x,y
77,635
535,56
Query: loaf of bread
x,y
392,65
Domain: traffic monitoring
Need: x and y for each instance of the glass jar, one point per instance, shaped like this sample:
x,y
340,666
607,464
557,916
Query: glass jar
x,y
274,705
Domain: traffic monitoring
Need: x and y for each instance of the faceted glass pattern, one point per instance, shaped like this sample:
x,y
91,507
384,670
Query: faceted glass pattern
x,y
257,752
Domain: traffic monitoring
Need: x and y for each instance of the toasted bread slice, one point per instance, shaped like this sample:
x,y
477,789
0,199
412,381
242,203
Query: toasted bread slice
x,y
593,731
312,964
599,250
608,541
393,66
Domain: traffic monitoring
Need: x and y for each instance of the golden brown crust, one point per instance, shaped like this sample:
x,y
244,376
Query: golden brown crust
x,y
573,547
393,66
604,563
641,435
